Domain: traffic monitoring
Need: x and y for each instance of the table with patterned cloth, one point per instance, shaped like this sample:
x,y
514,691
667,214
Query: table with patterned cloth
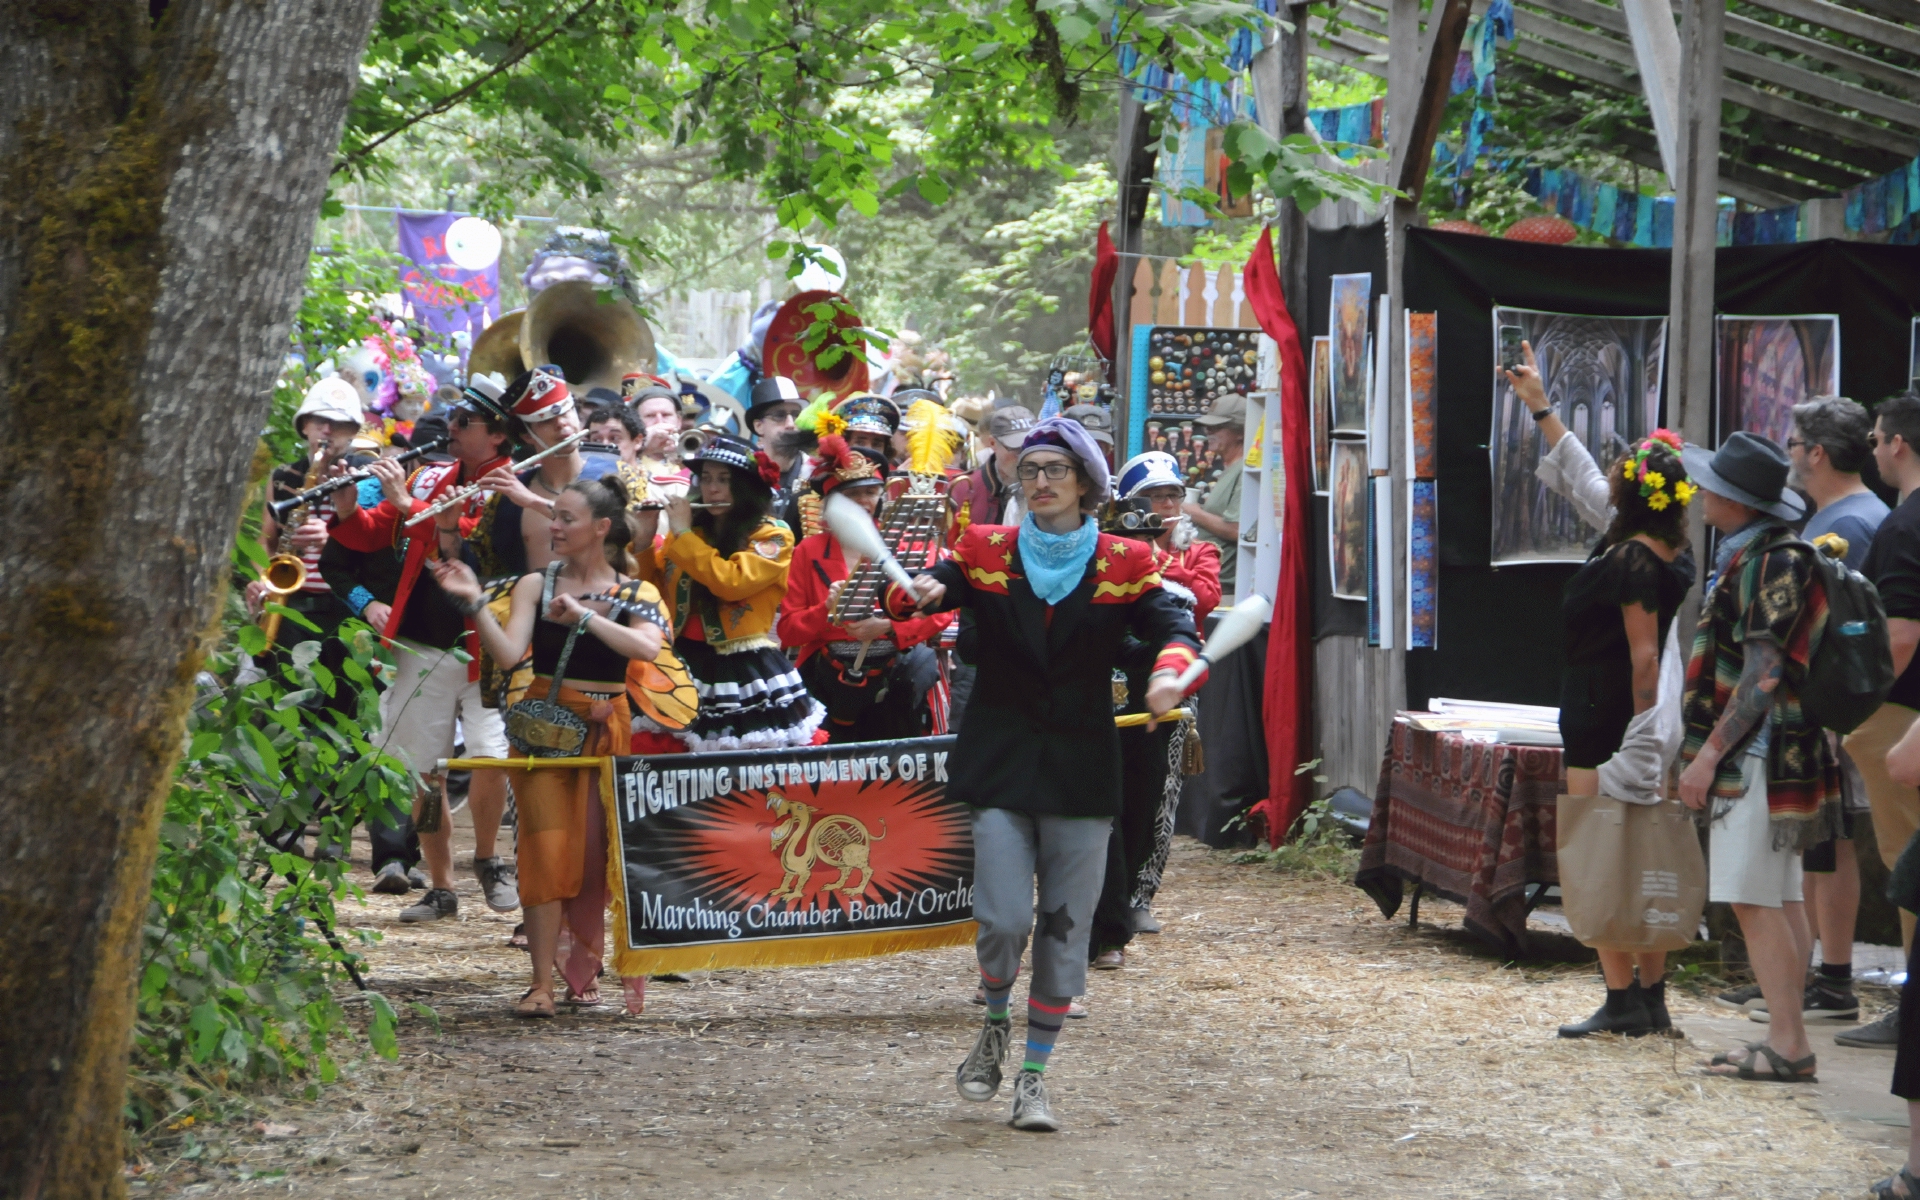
x,y
1468,820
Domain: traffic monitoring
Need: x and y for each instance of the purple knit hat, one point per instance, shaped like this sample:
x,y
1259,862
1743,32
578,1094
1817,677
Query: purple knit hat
x,y
1070,437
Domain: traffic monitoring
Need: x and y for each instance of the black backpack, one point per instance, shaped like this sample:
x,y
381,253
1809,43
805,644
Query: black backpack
x,y
1850,670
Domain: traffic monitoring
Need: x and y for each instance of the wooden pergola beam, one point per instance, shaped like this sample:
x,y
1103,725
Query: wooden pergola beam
x,y
1445,31
1848,21
1864,65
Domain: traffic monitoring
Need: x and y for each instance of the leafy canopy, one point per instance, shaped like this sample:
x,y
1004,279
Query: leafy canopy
x,y
823,104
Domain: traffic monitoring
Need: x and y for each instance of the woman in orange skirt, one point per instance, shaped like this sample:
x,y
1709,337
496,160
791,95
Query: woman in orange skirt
x,y
584,621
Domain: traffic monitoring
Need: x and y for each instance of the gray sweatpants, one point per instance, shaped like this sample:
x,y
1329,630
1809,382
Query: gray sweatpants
x,y
1067,856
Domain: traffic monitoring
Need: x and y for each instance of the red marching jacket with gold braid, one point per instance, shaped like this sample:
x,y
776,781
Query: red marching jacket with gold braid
x,y
1038,733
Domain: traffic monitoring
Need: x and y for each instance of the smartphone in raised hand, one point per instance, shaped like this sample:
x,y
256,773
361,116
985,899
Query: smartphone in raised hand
x,y
1511,355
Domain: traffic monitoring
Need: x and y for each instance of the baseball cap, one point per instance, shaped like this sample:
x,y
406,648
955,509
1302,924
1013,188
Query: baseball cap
x,y
1094,419
1009,426
1230,409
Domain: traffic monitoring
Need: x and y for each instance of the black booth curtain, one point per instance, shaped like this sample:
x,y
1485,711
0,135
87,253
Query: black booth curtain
x,y
1500,630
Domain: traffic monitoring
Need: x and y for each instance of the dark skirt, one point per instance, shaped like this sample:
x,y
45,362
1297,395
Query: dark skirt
x,y
1906,1056
749,700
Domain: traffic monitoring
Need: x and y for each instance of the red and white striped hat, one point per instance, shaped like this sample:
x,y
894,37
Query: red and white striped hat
x,y
545,397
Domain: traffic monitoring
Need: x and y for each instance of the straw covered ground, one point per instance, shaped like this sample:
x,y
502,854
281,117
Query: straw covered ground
x,y
1279,1039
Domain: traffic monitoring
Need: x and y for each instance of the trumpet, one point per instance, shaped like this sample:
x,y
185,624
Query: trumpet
x,y
459,496
280,508
693,441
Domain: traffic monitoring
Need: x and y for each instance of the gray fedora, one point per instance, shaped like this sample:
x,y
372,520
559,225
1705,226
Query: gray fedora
x,y
1748,469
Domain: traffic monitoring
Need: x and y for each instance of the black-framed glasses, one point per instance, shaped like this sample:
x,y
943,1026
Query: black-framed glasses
x,y
1055,471
1800,442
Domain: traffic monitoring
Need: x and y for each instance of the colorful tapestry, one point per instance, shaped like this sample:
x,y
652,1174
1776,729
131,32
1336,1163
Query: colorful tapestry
x,y
1763,366
1423,565
1347,327
1423,393
1321,403
1603,378
1347,520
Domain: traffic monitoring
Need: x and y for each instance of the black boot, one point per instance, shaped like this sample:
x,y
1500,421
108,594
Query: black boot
x,y
1655,998
1624,1013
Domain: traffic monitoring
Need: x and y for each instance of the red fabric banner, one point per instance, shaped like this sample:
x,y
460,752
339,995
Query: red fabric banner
x,y
1288,697
1106,265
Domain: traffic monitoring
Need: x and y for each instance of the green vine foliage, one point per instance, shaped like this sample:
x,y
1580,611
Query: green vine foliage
x,y
242,957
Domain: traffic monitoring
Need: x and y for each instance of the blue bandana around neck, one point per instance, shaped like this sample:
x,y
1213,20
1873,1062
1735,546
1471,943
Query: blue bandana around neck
x,y
1056,561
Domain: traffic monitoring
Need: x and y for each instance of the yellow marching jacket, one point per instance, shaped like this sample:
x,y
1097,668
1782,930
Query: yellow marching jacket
x,y
743,591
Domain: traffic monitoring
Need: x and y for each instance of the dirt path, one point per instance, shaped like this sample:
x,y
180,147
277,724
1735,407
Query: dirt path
x,y
1280,1039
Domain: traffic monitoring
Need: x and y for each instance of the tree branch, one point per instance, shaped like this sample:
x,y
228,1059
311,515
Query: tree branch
x,y
515,56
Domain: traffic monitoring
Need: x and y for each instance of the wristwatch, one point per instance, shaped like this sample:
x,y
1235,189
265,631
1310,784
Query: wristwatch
x,y
1544,413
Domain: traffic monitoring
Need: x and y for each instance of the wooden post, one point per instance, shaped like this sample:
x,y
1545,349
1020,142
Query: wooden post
x,y
1280,94
1691,262
1695,217
1134,153
1441,49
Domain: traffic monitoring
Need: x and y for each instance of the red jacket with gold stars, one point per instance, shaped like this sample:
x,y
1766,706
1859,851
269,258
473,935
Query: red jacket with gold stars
x,y
1038,733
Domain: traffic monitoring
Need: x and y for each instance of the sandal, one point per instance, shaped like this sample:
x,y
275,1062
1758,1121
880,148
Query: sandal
x,y
587,999
1884,1189
1780,1069
534,1004
518,938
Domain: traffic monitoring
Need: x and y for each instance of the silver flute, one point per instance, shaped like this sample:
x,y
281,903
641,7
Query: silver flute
x,y
459,496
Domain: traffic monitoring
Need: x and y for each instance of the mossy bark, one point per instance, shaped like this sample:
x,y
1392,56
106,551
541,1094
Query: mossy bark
x,y
159,184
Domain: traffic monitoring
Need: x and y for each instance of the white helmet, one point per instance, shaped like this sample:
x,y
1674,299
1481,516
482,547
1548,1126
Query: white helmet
x,y
1155,468
333,399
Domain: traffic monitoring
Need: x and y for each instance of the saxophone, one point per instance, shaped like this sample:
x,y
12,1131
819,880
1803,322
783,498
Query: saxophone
x,y
286,573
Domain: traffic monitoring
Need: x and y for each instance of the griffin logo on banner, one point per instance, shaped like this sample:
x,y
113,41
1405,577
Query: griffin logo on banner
x,y
837,840
772,857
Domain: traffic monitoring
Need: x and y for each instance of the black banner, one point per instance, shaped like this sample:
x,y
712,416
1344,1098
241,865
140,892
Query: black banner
x,y
771,857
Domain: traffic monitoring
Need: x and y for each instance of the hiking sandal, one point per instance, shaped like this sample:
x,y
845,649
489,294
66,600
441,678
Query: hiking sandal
x,y
1884,1189
1780,1069
532,1005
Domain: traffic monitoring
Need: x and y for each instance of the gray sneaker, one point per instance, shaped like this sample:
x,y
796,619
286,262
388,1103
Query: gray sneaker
x,y
1742,999
1882,1033
391,880
499,883
417,879
437,904
978,1078
1030,1108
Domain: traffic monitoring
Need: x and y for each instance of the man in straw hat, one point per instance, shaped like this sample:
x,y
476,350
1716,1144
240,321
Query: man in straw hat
x,y
1038,757
1752,754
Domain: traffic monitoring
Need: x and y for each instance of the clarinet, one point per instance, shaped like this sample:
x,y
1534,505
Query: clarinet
x,y
280,508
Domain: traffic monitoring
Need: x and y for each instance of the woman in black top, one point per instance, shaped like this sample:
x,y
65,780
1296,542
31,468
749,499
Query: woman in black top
x,y
1618,608
561,840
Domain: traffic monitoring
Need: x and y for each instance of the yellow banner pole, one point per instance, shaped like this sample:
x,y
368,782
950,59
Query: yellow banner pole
x,y
1131,719
517,764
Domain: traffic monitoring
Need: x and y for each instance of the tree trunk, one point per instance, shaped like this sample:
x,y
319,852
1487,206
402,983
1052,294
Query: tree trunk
x,y
161,168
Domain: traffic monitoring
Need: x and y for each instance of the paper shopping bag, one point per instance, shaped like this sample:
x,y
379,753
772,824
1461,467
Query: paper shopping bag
x,y
1631,875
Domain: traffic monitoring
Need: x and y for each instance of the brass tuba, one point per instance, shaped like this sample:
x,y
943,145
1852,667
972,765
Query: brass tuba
x,y
595,337
497,348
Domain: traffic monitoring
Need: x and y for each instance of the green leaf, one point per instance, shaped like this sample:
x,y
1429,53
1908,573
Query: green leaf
x,y
618,93
864,202
380,1030
1074,29
933,189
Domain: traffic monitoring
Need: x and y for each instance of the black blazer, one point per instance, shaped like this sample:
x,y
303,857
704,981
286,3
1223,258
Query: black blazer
x,y
1038,733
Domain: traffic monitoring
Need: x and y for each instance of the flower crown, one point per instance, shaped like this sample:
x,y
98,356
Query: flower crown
x,y
1653,485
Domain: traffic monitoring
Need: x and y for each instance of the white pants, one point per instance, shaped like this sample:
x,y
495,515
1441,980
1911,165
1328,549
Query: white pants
x,y
427,697
1742,865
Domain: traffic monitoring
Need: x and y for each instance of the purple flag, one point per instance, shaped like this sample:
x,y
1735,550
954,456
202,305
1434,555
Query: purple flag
x,y
447,248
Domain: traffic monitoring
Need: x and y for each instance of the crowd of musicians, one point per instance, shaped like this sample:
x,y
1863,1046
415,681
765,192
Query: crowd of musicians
x,y
633,573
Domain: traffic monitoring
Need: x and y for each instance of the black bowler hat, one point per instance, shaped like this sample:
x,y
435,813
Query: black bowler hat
x,y
1748,469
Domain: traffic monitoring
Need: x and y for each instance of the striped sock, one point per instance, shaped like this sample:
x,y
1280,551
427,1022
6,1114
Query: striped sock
x,y
998,993
1045,1015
